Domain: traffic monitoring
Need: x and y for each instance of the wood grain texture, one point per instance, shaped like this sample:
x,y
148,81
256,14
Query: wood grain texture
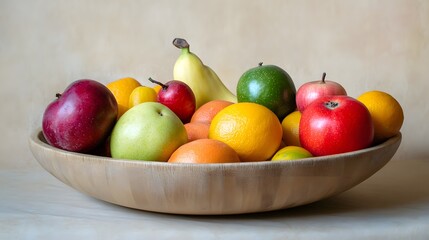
x,y
213,189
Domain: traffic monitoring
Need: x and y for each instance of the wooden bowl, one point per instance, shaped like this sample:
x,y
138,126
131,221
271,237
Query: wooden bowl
x,y
230,188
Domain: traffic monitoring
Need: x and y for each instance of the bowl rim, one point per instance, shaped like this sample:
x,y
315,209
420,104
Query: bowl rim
x,y
37,136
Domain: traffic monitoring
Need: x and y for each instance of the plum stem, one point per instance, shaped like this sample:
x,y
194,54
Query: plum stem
x,y
164,87
323,77
58,95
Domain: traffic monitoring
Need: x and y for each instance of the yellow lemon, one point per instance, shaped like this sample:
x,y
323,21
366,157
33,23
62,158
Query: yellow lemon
x,y
291,153
252,130
157,88
141,94
290,126
122,89
386,113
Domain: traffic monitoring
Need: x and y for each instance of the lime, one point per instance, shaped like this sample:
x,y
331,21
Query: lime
x,y
291,153
270,86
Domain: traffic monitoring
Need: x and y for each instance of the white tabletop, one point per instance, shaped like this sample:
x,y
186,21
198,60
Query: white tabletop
x,y
392,204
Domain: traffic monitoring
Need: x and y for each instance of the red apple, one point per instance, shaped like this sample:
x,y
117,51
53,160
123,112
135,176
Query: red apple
x,y
311,91
177,96
81,118
335,124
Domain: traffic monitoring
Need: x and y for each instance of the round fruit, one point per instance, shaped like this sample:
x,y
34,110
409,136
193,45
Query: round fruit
x,y
141,94
177,96
149,131
157,88
386,113
81,118
204,151
290,126
122,89
335,124
291,153
311,91
206,112
270,86
252,130
197,130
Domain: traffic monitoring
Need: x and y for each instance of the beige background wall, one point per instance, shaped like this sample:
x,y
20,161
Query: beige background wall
x,y
365,45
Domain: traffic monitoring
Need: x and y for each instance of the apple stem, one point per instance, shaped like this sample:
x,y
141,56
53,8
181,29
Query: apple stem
x,y
159,83
58,95
323,77
260,64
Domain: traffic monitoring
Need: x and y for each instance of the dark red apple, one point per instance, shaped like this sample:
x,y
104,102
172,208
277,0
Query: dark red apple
x,y
335,124
311,91
177,96
81,118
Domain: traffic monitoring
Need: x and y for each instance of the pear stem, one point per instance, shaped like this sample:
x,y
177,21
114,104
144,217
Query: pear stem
x,y
323,77
159,83
180,43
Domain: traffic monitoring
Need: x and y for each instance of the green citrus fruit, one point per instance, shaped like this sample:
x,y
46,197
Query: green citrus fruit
x,y
270,86
291,153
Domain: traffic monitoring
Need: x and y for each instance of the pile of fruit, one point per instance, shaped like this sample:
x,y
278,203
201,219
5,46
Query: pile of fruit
x,y
196,119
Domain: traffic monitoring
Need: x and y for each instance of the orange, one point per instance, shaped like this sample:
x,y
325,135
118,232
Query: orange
x,y
122,89
386,113
252,130
291,153
206,112
141,94
204,151
197,130
290,126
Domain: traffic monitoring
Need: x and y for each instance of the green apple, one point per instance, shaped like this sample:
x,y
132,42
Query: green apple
x,y
149,131
270,86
